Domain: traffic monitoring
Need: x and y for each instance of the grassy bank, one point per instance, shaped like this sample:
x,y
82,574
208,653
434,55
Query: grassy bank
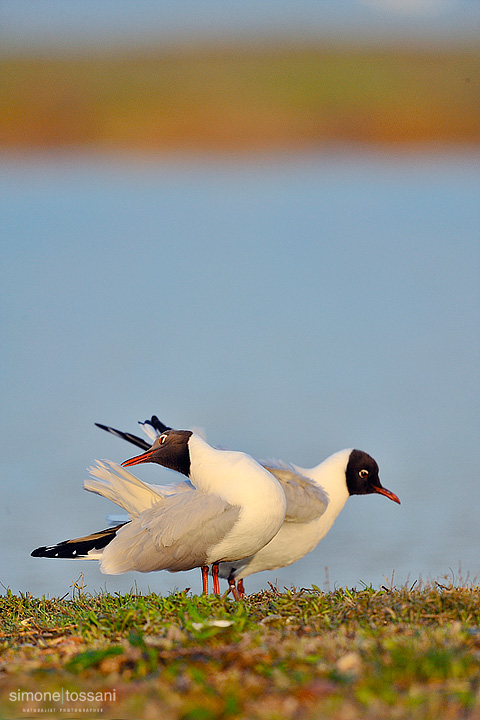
x,y
241,98
387,653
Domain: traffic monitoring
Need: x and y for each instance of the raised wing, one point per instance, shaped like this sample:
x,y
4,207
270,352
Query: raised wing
x,y
176,534
152,428
134,439
306,501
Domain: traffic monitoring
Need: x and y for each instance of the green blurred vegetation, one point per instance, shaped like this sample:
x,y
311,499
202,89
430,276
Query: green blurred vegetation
x,y
233,98
299,654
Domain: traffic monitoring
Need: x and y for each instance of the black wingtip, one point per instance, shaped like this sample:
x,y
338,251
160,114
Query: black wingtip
x,y
157,424
39,552
134,439
79,547
56,551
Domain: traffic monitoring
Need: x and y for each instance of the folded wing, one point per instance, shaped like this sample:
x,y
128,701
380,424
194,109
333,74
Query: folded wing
x,y
306,501
175,534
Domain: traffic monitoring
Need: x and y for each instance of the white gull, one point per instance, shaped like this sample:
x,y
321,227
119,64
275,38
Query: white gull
x,y
229,508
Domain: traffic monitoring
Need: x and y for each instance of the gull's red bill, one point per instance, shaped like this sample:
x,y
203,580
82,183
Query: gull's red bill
x,y
144,457
388,493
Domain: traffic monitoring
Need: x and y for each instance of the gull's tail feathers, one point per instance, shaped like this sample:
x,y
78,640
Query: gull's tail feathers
x,y
117,484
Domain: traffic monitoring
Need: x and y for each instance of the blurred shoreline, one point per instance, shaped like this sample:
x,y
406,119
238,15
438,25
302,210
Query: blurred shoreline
x,y
256,98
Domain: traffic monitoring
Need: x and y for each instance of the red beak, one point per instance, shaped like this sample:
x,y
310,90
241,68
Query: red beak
x,y
144,457
388,493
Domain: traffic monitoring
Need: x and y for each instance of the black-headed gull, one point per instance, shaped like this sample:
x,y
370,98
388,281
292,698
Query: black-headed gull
x,y
229,508
348,472
315,497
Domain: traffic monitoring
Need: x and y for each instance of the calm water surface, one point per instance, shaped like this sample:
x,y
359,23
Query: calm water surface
x,y
291,306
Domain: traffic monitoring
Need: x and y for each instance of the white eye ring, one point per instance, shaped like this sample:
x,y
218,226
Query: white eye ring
x,y
363,473
162,438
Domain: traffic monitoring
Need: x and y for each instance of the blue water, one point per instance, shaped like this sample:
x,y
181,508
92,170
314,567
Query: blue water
x,y
289,305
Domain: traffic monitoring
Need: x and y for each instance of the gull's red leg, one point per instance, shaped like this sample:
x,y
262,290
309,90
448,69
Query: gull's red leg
x,y
205,579
216,584
241,588
232,587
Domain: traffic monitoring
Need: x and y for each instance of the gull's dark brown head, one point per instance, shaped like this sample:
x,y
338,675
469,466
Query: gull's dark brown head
x,y
362,476
170,449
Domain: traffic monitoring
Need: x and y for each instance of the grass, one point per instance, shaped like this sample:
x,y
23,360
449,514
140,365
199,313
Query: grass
x,y
370,653
259,96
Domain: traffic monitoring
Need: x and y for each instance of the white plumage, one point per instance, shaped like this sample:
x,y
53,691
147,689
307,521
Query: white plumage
x,y
314,499
307,519
229,508
231,504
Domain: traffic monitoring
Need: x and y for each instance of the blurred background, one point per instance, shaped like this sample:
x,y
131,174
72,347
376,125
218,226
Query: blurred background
x,y
260,219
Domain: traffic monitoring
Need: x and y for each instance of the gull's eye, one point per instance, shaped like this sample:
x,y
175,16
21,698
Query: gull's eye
x,y
162,438
363,473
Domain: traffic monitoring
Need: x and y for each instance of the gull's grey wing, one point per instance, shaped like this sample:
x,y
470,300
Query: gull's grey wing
x,y
175,534
306,501
114,519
